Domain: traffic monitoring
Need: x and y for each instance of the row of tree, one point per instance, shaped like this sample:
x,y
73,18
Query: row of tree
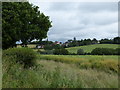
x,y
115,40
96,51
73,43
100,51
105,51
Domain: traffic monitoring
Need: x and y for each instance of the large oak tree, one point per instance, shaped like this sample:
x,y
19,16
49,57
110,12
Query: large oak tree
x,y
22,21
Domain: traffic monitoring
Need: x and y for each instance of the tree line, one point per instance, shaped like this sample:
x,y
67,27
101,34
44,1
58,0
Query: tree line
x,y
74,42
96,51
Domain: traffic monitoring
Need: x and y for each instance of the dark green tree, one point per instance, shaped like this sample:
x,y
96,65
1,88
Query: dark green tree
x,y
74,39
117,51
116,40
106,41
48,47
56,46
61,51
80,52
22,21
94,41
103,51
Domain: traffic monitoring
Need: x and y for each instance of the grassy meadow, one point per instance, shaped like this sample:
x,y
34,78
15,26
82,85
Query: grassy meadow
x,y
54,74
63,71
104,63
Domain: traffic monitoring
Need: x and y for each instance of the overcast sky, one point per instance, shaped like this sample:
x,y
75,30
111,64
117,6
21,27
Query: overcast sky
x,y
81,19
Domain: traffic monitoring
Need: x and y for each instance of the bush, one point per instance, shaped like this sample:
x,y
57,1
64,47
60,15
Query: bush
x,y
48,47
72,53
61,51
80,52
25,56
117,51
57,46
103,51
46,52
87,53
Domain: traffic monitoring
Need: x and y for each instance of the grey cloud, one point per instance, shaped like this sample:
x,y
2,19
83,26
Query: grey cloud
x,y
99,6
84,6
60,6
100,18
81,20
105,31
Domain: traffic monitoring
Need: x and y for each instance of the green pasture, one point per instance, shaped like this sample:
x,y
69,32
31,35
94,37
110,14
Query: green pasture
x,y
89,48
86,48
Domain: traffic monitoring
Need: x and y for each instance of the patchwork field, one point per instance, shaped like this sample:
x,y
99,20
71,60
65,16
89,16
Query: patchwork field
x,y
86,48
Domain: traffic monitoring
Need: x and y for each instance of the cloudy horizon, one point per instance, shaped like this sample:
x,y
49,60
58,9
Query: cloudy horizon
x,y
81,19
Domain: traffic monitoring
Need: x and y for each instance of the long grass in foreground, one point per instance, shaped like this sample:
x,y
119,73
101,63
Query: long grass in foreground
x,y
51,74
59,72
106,63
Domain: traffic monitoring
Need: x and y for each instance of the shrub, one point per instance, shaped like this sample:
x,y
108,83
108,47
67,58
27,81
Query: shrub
x,y
97,51
80,52
103,51
25,56
48,47
72,53
57,46
87,53
46,52
61,51
117,51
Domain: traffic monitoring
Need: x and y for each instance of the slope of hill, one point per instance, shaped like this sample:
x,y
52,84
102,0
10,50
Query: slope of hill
x,y
89,48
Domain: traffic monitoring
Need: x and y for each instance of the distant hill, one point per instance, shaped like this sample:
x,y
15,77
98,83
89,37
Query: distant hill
x,y
89,48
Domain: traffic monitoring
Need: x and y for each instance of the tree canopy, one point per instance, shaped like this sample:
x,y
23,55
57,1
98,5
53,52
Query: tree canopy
x,y
22,21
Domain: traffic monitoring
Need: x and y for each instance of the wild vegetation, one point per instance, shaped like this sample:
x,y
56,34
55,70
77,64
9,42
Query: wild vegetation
x,y
24,56
59,72
104,63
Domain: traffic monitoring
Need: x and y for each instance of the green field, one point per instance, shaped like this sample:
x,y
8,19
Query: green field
x,y
89,48
104,63
29,45
86,48
55,71
63,71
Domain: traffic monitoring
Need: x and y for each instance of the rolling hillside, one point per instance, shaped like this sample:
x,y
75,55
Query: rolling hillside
x,y
89,48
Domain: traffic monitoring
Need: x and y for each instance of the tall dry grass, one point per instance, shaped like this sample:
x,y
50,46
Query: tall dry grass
x,y
102,63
